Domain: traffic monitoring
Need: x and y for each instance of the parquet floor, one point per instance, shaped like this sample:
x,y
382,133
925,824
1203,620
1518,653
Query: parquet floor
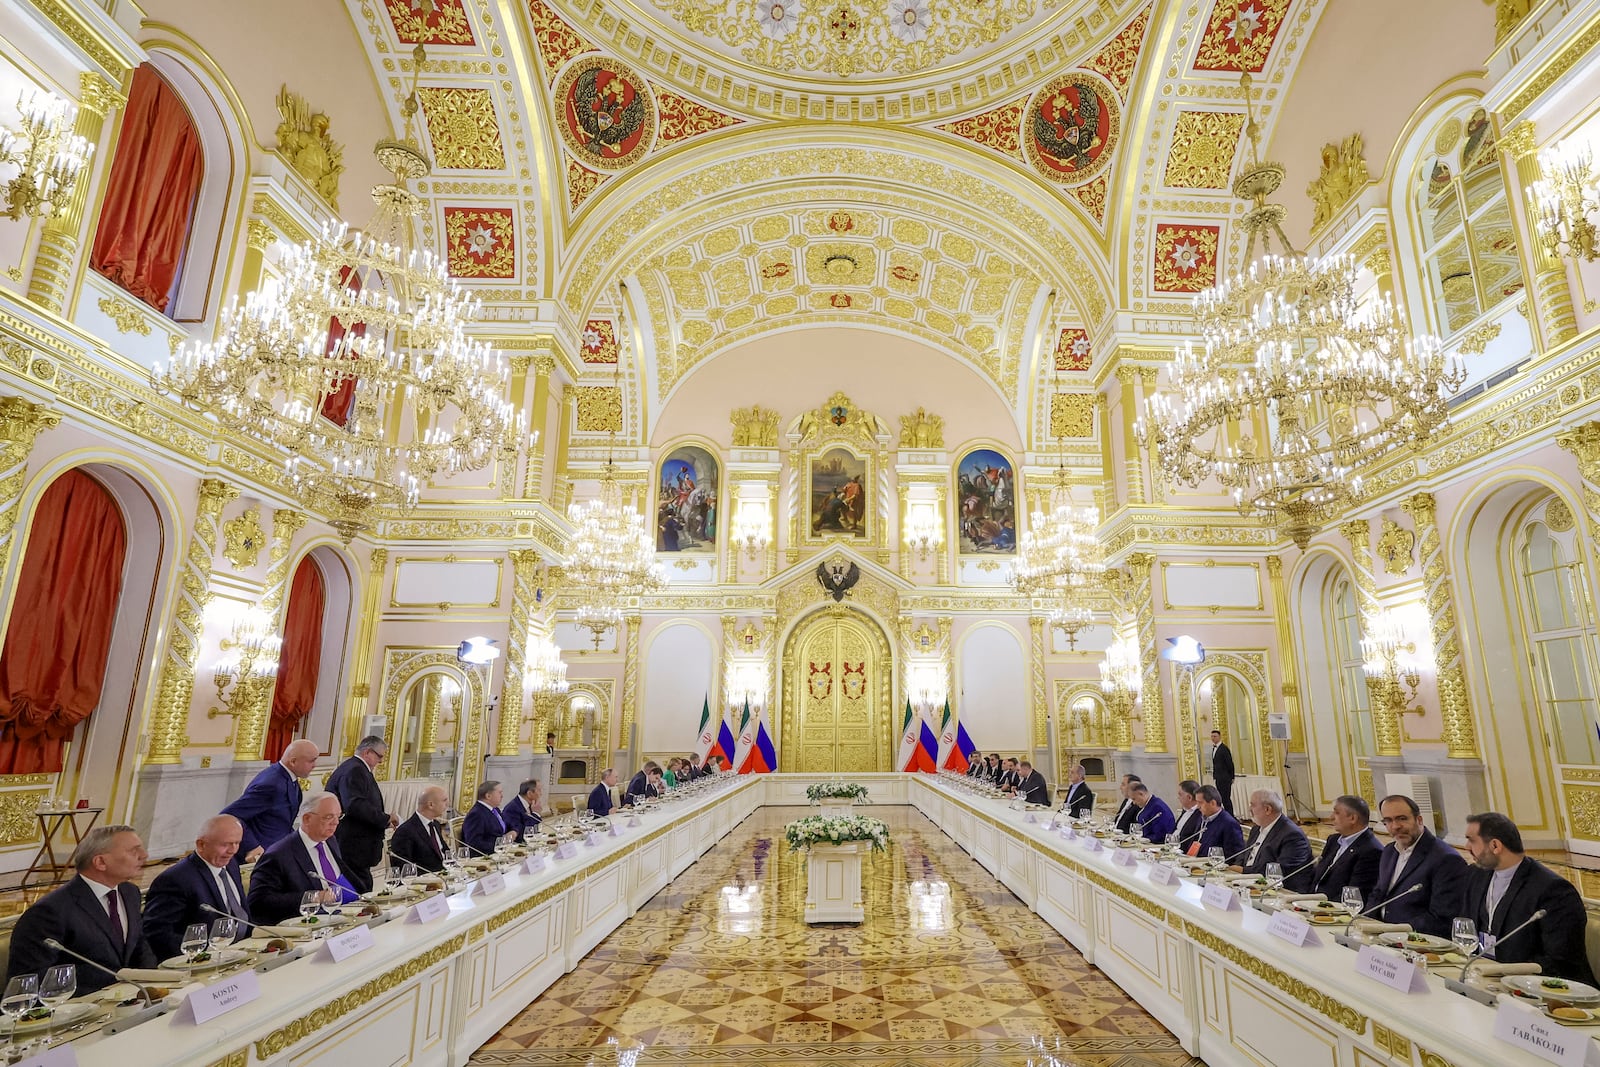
x,y
949,970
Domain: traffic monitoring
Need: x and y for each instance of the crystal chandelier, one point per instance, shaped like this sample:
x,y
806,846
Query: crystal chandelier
x,y
371,318
1069,619
543,667
611,557
1298,383
48,155
1564,197
752,530
1060,556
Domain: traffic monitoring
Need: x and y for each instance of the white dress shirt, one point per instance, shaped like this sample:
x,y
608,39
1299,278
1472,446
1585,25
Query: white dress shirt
x,y
316,862
1401,856
1499,882
101,891
1261,839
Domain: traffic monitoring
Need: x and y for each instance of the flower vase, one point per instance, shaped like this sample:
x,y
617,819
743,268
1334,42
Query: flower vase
x,y
833,883
836,806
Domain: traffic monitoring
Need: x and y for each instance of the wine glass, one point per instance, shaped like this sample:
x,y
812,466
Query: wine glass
x,y
1464,932
20,995
60,983
195,938
1216,856
310,904
223,931
1274,874
407,871
1350,897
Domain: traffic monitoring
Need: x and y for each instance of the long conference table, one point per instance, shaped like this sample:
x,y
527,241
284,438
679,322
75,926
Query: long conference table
x,y
432,993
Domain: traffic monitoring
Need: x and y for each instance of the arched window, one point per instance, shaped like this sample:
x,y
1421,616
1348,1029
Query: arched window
x,y
1469,245
53,665
156,171
300,659
1228,706
1557,617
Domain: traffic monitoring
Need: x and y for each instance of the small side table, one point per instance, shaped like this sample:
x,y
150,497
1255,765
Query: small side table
x,y
45,864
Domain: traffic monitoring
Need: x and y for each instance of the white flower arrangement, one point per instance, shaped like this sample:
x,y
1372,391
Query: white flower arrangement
x,y
836,830
835,791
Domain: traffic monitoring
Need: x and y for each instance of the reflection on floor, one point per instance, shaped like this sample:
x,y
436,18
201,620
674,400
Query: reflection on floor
x,y
949,969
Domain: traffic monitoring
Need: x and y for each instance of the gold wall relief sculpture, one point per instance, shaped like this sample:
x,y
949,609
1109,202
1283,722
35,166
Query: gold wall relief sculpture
x,y
1460,732
1395,546
243,539
921,430
1344,174
169,719
754,427
838,676
304,144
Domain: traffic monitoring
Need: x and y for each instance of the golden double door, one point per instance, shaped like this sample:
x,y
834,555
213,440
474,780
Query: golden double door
x,y
832,696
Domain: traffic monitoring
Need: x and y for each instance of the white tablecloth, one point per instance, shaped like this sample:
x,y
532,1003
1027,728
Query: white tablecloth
x,y
400,796
1246,784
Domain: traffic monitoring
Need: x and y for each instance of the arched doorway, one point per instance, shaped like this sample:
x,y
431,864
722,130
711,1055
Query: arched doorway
x,y
838,685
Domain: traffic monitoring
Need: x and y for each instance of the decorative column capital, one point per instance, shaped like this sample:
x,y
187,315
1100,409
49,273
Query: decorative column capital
x,y
1274,567
259,235
1520,140
544,366
98,94
1358,532
1422,507
1583,441
21,422
216,494
1140,564
287,522
377,562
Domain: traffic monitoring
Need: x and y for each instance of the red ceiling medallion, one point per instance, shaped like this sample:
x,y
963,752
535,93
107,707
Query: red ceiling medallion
x,y
1069,127
608,119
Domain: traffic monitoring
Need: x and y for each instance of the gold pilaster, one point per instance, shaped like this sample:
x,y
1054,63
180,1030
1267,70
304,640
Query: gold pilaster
x,y
258,237
533,484
561,492
366,636
169,719
54,262
1385,722
1460,733
630,680
1154,705
428,733
250,729
1040,702
524,589
20,423
1133,469
1552,297
1286,654
730,645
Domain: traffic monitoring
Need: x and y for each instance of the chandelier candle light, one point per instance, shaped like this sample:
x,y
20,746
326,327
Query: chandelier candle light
x,y
48,156
1562,200
1060,556
1298,383
611,557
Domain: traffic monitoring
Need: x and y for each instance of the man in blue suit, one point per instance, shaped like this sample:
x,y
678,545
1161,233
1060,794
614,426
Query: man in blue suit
x,y
208,875
1414,857
484,825
1218,827
267,808
1155,819
522,813
600,795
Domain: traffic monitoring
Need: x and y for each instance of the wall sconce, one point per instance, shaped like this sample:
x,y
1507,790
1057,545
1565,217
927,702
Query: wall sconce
x,y
752,528
48,155
543,666
925,684
747,682
1563,198
1393,651
249,665
924,531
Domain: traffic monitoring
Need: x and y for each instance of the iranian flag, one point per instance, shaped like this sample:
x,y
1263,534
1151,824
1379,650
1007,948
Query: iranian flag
x,y
708,735
908,739
947,736
747,740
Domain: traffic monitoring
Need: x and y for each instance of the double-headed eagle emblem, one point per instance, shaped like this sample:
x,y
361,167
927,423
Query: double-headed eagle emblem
x,y
837,579
609,111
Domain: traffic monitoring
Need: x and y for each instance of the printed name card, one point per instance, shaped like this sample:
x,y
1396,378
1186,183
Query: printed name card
x,y
1092,843
1391,969
616,829
493,882
533,864
342,946
1289,925
1161,874
1532,1032
219,998
1031,817
1049,824
1067,832
591,839
60,1056
428,909
566,850
1124,857
1219,895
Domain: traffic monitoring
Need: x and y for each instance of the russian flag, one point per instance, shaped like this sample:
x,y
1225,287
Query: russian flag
x,y
964,748
723,746
763,757
927,747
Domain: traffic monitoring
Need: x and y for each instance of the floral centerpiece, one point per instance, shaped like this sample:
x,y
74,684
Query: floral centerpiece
x,y
837,830
835,791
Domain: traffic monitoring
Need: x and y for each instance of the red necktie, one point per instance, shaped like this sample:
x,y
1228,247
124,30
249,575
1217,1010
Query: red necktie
x,y
116,916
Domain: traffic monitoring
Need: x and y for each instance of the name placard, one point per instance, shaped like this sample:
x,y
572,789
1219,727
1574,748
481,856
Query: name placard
x,y
616,828
566,850
591,839
429,909
1220,896
342,946
1092,843
1532,1032
60,1056
533,864
1068,833
493,882
1289,925
1161,874
1390,969
219,998
1030,817
1124,857
1049,824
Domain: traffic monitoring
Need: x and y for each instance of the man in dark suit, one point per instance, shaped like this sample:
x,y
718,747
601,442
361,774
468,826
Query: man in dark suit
x,y
361,830
423,840
268,804
1128,810
484,825
1222,769
1080,798
645,783
1505,887
600,795
1275,839
550,743
522,812
1417,858
1187,826
1008,775
1351,859
208,875
307,859
1155,820
95,914
1031,786
1218,827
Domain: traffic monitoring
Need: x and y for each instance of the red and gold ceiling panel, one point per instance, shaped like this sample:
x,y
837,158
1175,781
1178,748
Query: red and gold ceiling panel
x,y
581,182
446,25
1073,351
462,127
1093,198
679,118
598,343
481,242
998,128
557,42
1115,62
607,115
1240,35
1204,144
1185,258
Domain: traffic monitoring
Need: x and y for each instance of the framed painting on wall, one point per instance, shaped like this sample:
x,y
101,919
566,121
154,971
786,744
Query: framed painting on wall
x,y
986,503
686,501
840,495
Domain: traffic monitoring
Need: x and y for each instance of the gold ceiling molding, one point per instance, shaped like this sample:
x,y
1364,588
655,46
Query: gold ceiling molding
x,y
102,50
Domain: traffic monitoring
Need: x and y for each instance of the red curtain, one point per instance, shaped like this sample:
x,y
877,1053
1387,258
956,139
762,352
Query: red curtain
x,y
337,405
54,661
155,177
300,659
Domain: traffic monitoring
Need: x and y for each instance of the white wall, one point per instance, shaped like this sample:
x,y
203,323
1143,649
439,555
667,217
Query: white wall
x,y
991,691
678,665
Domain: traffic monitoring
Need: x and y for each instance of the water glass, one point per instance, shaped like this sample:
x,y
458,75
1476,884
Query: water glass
x,y
1274,874
195,938
223,931
1216,856
310,903
1350,897
21,993
60,983
1464,932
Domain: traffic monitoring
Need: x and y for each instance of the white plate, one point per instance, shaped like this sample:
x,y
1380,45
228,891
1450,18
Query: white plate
x,y
296,928
1321,907
1416,942
1533,985
226,958
69,1014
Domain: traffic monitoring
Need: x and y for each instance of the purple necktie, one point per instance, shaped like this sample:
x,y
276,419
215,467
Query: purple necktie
x,y
115,915
325,863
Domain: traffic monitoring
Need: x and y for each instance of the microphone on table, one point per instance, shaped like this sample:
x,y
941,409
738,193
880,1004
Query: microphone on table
x,y
1304,866
1416,887
1514,931
59,947
219,913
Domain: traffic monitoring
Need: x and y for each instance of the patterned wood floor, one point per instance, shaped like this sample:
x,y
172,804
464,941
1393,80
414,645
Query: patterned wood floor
x,y
949,969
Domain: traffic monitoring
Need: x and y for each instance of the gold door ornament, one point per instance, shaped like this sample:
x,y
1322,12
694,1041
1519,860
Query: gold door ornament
x,y
837,687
